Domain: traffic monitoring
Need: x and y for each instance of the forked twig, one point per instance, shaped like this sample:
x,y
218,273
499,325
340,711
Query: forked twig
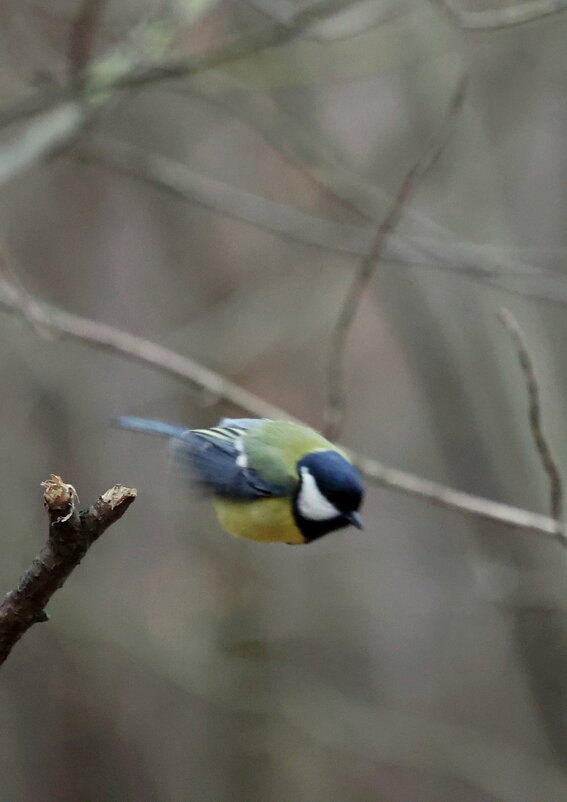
x,y
543,448
336,396
71,534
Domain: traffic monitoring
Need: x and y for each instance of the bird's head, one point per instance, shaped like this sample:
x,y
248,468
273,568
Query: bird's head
x,y
328,496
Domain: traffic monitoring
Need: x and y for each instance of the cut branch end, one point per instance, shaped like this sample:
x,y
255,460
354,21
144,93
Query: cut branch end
x,y
71,534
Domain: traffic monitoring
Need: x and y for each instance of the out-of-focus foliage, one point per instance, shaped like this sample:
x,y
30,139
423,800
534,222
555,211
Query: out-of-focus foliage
x,y
423,660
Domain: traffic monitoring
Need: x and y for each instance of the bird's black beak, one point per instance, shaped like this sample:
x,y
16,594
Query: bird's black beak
x,y
355,519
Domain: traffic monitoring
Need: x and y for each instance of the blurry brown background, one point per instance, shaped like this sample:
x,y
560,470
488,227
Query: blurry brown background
x,y
423,660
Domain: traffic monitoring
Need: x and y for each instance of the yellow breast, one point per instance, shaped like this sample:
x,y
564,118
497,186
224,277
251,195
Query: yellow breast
x,y
266,520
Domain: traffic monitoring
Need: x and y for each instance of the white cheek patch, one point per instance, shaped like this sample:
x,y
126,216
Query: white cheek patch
x,y
311,503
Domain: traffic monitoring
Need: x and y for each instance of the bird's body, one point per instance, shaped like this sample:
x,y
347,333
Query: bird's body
x,y
266,520
271,481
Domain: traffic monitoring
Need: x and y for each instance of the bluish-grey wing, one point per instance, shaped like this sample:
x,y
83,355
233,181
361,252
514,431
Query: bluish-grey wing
x,y
212,457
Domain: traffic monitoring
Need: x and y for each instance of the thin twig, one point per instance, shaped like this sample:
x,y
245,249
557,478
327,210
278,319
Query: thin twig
x,y
334,413
492,19
473,262
90,81
535,417
282,10
285,220
467,503
64,112
48,319
432,247
71,534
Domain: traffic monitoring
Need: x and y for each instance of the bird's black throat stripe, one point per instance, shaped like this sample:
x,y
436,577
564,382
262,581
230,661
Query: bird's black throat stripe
x,y
313,530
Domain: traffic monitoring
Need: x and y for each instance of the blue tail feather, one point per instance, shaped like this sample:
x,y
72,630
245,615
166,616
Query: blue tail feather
x,y
155,427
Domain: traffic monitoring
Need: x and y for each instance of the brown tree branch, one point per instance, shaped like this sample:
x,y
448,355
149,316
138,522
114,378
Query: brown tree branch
x,y
50,321
334,413
82,34
71,534
534,411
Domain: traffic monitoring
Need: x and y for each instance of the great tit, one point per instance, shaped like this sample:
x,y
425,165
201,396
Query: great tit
x,y
270,481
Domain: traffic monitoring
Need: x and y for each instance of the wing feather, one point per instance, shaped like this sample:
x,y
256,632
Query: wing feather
x,y
218,461
215,458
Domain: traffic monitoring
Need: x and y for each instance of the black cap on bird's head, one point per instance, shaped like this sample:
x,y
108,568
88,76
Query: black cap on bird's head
x,y
329,494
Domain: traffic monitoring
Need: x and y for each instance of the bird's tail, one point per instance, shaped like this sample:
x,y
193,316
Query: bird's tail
x,y
155,427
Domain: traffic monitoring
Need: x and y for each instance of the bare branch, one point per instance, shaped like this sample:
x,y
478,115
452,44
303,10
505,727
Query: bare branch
x,y
98,82
506,17
71,534
353,18
473,261
65,111
434,247
83,33
534,404
48,319
178,179
448,497
42,138
334,413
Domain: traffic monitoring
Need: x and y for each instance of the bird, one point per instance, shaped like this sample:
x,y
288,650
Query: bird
x,y
269,480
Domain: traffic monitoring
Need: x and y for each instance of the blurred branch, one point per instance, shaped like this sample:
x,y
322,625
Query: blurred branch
x,y
65,111
506,17
178,179
334,413
113,73
70,109
71,534
542,446
42,138
355,17
477,262
433,247
50,321
280,218
496,282
82,34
